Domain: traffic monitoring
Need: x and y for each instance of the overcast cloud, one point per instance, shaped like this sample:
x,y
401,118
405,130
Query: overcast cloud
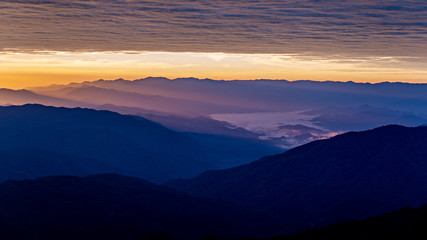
x,y
344,28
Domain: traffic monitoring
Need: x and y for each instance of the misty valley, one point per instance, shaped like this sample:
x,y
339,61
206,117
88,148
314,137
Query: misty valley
x,y
213,120
202,159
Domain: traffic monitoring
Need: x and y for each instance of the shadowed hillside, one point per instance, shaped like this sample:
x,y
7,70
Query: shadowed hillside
x,y
38,141
350,176
406,223
114,207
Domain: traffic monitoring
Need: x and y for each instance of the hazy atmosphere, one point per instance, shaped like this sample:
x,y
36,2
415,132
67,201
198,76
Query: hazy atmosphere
x,y
213,119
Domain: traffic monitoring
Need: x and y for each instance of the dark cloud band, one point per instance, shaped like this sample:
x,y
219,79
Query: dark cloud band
x,y
347,28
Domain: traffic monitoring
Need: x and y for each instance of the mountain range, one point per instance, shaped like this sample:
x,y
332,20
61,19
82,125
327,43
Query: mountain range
x,y
259,95
38,141
328,106
109,206
223,145
351,176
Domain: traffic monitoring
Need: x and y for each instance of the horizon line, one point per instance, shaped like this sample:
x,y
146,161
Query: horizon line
x,y
223,80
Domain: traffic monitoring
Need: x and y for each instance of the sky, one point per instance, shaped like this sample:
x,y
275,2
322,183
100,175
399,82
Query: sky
x,y
47,42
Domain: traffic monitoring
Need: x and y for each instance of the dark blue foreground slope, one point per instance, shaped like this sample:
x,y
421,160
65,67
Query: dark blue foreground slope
x,y
406,223
351,176
115,207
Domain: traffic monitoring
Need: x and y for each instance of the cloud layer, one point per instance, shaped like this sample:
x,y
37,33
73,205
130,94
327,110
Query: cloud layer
x,y
312,27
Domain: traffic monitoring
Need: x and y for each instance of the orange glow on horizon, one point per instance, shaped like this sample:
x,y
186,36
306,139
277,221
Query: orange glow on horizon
x,y
21,70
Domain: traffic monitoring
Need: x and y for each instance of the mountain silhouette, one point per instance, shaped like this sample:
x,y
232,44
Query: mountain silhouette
x,y
37,141
333,107
19,97
260,95
163,103
406,223
111,206
351,176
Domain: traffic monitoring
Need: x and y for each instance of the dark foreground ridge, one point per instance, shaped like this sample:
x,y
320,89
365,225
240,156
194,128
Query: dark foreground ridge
x,y
406,223
351,176
114,207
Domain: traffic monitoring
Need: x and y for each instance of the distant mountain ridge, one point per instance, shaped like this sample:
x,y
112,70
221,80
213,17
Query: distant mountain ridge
x,y
131,97
264,95
350,176
20,97
332,107
188,98
159,83
375,104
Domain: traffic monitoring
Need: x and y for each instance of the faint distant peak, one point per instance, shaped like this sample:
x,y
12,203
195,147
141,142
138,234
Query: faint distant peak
x,y
263,81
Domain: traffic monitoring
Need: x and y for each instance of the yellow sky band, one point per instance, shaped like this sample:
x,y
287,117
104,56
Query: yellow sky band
x,y
20,70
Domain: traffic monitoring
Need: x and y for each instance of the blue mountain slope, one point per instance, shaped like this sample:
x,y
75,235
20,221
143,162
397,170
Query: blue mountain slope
x,y
37,141
92,142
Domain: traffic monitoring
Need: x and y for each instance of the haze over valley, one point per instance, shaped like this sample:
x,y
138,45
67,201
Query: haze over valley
x,y
213,119
282,113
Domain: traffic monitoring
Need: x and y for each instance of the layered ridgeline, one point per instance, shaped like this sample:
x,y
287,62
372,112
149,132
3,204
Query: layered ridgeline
x,y
240,96
37,141
268,109
20,97
350,176
115,207
285,113
118,207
